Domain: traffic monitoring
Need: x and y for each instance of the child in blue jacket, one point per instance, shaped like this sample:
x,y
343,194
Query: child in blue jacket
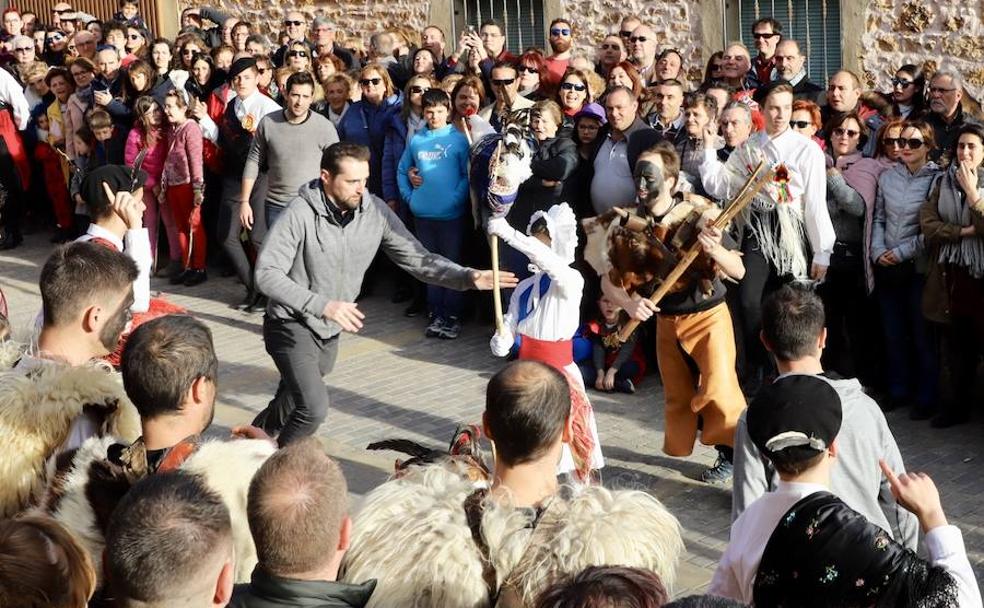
x,y
439,203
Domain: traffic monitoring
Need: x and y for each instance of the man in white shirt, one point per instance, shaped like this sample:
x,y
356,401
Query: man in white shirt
x,y
234,136
801,545
773,225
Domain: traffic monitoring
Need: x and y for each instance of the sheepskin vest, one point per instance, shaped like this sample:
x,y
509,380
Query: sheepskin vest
x,y
86,495
37,409
413,536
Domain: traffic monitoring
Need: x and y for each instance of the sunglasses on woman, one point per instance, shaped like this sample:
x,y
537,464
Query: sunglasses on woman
x,y
529,69
297,54
418,90
841,132
370,81
800,124
901,82
570,86
901,142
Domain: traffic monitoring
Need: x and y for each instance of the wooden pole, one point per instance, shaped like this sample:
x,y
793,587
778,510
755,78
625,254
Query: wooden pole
x,y
748,192
494,244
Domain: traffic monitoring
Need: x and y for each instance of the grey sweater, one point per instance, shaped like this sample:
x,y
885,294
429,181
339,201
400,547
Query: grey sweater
x,y
290,154
846,208
855,477
309,258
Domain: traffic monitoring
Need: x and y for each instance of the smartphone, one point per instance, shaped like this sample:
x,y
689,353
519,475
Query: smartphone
x,y
99,85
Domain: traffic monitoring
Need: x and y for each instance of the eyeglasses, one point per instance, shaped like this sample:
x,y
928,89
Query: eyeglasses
x,y
418,90
529,69
135,37
901,82
901,142
262,70
503,82
294,23
189,51
558,31
297,54
55,37
370,81
800,124
941,90
611,47
625,33
638,39
758,36
841,132
569,86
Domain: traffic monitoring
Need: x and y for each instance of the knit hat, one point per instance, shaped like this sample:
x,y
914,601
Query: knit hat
x,y
799,412
591,110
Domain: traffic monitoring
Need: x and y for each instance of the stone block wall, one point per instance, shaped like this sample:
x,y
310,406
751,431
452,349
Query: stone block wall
x,y
929,34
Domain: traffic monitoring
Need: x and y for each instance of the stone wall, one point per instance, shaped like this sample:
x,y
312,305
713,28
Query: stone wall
x,y
929,34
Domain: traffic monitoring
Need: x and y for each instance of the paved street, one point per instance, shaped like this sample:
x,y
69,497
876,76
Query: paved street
x,y
392,382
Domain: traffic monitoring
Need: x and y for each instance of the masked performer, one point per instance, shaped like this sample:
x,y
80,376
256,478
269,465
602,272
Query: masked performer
x,y
695,341
545,310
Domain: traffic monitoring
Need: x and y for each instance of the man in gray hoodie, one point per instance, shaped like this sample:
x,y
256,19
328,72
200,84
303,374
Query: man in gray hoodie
x,y
311,268
793,332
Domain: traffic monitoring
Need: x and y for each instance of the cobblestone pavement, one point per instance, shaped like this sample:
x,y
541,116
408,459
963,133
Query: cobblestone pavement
x,y
391,381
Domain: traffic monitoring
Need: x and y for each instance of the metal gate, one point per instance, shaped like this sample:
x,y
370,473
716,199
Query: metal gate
x,y
815,24
523,20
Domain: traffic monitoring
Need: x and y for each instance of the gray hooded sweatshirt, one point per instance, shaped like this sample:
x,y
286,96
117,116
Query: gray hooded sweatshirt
x,y
309,258
855,478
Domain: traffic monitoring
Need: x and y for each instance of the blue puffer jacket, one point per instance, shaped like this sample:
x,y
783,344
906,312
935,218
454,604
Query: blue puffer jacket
x,y
366,124
393,145
895,226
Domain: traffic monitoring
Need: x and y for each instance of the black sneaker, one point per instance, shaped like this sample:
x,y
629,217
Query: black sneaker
x,y
451,329
720,473
436,325
194,277
178,278
625,386
414,309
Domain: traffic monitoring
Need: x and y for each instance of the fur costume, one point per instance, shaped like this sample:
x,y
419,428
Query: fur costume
x,y
413,536
37,409
85,497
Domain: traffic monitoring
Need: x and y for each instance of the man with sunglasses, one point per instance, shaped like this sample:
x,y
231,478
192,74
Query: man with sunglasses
x,y
296,28
642,50
767,32
946,114
560,37
505,83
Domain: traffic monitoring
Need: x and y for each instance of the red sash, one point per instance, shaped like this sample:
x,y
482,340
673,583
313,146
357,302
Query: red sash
x,y
558,354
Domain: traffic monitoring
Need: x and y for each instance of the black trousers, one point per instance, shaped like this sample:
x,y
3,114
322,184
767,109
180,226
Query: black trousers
x,y
760,280
303,359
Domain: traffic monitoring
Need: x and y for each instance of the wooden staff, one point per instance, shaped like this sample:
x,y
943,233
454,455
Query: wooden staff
x,y
755,183
494,244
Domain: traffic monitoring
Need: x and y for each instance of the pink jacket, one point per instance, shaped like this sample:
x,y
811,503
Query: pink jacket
x,y
184,160
153,163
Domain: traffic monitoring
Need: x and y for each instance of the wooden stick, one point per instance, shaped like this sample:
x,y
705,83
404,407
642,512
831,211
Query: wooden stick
x,y
494,244
751,188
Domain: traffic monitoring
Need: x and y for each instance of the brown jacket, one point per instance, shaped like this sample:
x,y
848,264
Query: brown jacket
x,y
936,232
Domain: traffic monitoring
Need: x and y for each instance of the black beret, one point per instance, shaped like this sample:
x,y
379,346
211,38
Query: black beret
x,y
117,177
240,65
800,411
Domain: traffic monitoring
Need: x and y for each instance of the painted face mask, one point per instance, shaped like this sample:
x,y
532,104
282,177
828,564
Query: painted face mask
x,y
649,181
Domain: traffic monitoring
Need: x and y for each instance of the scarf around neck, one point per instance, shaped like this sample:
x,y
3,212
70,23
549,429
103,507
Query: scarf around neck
x,y
968,252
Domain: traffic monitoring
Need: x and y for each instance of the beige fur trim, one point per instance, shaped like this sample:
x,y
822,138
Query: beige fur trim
x,y
37,409
411,528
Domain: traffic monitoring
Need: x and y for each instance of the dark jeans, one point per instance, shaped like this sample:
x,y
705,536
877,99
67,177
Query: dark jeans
x,y
229,226
301,402
445,238
271,212
760,279
590,375
854,335
908,338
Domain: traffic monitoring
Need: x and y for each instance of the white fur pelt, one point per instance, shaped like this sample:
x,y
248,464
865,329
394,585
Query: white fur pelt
x,y
227,467
412,536
37,409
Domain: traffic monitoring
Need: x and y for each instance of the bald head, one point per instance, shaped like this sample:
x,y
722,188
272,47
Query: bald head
x,y
526,408
789,59
642,46
298,510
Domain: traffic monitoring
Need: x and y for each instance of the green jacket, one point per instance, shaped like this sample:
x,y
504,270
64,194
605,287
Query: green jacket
x,y
268,591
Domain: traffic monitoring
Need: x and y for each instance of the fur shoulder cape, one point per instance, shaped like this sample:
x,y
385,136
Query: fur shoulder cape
x,y
93,486
37,409
412,535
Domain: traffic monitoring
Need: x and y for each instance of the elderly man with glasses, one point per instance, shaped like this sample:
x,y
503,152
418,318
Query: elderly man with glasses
x,y
946,113
642,51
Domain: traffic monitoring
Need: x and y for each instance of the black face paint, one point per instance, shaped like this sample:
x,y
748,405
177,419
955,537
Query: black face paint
x,y
649,180
110,333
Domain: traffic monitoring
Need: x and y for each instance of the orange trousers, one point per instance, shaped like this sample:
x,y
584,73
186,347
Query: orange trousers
x,y
714,395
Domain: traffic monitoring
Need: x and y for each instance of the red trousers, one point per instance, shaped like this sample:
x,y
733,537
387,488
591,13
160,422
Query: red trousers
x,y
188,218
54,184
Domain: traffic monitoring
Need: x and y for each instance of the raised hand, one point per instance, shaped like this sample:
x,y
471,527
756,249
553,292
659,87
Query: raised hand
x,y
918,494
